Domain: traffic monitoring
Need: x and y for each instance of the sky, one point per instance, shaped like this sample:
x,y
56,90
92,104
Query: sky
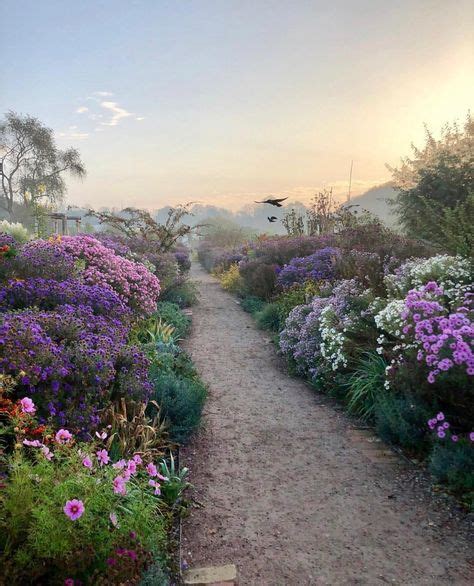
x,y
225,101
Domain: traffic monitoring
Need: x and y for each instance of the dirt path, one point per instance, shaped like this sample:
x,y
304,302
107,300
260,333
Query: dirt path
x,y
290,493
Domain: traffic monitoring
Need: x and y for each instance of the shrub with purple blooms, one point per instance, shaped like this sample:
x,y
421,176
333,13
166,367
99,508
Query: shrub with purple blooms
x,y
319,266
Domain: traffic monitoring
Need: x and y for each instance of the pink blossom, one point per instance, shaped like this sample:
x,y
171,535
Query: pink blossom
x,y
103,457
87,462
471,436
120,485
119,464
454,438
32,443
151,469
27,405
156,486
63,436
137,459
74,509
131,466
113,519
102,435
47,453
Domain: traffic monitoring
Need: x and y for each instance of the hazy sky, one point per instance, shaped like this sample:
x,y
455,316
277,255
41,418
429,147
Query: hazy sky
x,y
220,101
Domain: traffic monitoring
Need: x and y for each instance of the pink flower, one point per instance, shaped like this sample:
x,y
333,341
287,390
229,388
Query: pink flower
x,y
131,466
471,436
119,464
137,459
113,519
87,462
74,509
27,405
120,485
103,457
151,469
47,453
63,436
68,582
454,438
102,435
440,416
441,434
32,443
156,486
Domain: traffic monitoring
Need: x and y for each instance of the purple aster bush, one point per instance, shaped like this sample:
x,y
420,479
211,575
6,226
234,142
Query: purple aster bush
x,y
444,334
71,362
47,294
321,265
44,259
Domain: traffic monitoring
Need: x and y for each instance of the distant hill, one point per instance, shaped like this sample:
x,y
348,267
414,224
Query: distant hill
x,y
375,200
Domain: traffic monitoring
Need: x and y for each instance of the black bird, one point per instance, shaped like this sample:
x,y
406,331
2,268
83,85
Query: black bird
x,y
272,219
273,202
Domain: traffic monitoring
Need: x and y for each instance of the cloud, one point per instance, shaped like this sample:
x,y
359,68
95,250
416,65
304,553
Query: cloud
x,y
117,113
105,112
72,135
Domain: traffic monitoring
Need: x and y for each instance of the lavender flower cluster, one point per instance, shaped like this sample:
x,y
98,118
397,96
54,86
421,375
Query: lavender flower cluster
x,y
316,267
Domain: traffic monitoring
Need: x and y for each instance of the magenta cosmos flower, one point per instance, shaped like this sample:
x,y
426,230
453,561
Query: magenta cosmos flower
x,y
74,509
120,486
63,436
27,405
87,462
151,469
103,457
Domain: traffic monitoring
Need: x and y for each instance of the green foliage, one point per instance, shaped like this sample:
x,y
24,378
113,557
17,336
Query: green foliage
x,y
181,401
452,463
252,304
269,317
184,295
171,314
155,576
365,384
401,420
439,177
39,541
288,300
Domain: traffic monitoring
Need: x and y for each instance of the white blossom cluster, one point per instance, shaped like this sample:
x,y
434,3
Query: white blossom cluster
x,y
332,344
452,273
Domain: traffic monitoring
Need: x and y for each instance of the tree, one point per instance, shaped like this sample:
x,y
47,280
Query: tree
x,y
136,223
32,167
436,186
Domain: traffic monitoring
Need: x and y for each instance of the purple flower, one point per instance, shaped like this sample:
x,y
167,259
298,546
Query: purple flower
x,y
103,457
63,436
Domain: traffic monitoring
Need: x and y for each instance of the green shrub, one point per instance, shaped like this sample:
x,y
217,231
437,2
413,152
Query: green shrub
x,y
181,401
402,420
184,295
269,317
155,576
171,314
252,304
41,545
365,384
289,299
452,463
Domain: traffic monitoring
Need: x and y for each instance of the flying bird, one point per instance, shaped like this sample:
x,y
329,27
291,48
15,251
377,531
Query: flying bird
x,y
273,202
272,219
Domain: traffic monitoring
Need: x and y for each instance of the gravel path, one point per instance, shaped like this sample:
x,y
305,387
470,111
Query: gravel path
x,y
290,493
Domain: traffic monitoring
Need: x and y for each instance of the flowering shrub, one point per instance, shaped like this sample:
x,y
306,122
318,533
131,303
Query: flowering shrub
x,y
452,273
70,514
72,362
231,279
44,259
14,229
131,280
47,294
316,267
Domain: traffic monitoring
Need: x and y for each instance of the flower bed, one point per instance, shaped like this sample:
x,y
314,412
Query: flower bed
x,y
89,489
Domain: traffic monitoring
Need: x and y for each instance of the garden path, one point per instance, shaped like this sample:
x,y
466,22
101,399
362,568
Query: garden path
x,y
290,492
